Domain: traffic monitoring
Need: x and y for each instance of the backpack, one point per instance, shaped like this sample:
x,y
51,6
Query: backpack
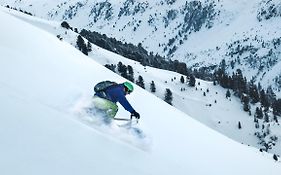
x,y
102,86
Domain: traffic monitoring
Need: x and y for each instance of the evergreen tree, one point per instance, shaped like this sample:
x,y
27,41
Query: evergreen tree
x,y
214,82
246,106
152,87
253,93
122,69
110,67
239,125
89,47
130,73
81,45
270,95
65,25
257,125
182,79
220,74
244,87
259,87
180,67
266,117
275,118
228,94
192,81
222,65
124,72
235,80
276,106
140,82
79,41
259,113
224,81
239,83
168,96
275,157
264,100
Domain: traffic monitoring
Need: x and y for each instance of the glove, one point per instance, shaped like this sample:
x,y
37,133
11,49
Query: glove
x,y
135,114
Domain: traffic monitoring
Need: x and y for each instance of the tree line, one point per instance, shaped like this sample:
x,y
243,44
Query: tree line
x,y
137,53
248,91
128,73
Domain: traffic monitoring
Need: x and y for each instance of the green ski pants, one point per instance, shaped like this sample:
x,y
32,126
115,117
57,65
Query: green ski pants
x,y
106,106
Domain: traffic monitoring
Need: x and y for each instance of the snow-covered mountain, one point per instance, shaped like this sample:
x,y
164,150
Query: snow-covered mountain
x,y
205,102
246,34
45,83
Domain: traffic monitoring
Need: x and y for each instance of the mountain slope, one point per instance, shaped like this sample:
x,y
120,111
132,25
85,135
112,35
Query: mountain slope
x,y
222,114
212,109
42,79
246,34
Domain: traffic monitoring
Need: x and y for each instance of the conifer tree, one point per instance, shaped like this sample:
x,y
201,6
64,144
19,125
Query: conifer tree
x,y
259,113
124,72
264,99
266,117
228,94
89,47
122,69
253,93
140,82
168,96
257,125
239,125
79,41
192,81
275,157
110,67
120,66
182,79
130,73
276,106
271,96
246,106
214,82
81,45
65,25
152,87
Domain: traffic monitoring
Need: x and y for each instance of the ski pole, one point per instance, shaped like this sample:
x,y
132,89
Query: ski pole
x,y
122,119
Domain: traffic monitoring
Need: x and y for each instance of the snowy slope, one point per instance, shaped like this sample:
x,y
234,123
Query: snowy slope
x,y
213,110
41,80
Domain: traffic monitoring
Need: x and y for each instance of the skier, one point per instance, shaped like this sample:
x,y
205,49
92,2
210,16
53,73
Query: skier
x,y
106,98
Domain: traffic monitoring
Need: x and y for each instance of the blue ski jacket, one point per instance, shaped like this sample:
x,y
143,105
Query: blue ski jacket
x,y
115,94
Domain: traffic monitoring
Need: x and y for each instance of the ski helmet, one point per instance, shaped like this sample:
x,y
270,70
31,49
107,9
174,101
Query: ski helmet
x,y
129,86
